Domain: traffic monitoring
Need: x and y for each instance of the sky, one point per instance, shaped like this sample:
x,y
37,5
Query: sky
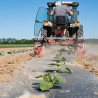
x,y
17,17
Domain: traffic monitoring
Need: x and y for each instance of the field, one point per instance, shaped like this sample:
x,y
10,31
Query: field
x,y
18,72
15,45
5,50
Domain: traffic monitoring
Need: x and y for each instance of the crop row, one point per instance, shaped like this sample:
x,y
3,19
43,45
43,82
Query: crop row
x,y
50,79
14,51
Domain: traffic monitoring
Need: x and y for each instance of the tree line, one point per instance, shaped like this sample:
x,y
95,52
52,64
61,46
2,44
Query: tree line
x,y
16,41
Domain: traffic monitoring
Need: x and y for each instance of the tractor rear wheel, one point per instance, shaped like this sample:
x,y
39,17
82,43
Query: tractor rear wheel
x,y
80,32
43,32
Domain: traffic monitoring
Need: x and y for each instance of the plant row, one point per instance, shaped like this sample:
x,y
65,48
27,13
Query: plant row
x,y
50,79
14,51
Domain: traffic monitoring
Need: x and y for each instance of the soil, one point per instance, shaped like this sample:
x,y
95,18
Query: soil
x,y
90,62
5,50
9,64
38,65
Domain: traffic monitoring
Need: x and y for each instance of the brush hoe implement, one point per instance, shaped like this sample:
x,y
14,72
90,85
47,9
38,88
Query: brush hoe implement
x,y
69,33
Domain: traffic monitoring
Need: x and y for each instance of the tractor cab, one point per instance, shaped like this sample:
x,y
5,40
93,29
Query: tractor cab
x,y
73,6
44,23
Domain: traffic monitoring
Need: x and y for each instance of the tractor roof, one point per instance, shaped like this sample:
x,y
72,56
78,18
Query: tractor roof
x,y
52,4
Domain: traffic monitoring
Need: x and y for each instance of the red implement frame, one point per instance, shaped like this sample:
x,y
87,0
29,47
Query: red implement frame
x,y
80,47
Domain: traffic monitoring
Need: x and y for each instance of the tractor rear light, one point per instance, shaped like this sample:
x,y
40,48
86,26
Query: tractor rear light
x,y
78,22
46,21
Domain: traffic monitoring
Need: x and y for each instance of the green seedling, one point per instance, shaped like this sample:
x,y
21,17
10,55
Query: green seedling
x,y
61,53
63,59
59,60
63,49
18,51
62,67
68,69
1,53
26,50
57,64
11,51
22,51
57,56
49,80
14,51
30,49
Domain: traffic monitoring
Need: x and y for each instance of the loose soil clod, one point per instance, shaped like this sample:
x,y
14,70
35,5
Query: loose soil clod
x,y
95,93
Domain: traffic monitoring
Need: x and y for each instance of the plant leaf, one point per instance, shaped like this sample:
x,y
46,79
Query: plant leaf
x,y
44,85
51,66
39,76
60,78
69,70
57,64
1,53
62,66
63,59
45,78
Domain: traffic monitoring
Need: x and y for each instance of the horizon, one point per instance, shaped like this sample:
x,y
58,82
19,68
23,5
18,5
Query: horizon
x,y
33,38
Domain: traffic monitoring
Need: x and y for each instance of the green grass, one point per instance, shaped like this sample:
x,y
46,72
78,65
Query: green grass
x,y
15,45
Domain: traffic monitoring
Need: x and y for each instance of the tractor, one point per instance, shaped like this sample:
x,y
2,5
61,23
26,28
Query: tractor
x,y
70,33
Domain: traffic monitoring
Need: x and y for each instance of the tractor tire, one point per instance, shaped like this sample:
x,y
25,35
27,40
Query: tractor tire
x,y
80,32
43,32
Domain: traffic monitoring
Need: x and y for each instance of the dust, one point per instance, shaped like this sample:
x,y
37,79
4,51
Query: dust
x,y
50,49
9,64
89,63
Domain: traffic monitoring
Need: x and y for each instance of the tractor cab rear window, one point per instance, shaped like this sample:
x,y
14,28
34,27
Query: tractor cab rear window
x,y
74,17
